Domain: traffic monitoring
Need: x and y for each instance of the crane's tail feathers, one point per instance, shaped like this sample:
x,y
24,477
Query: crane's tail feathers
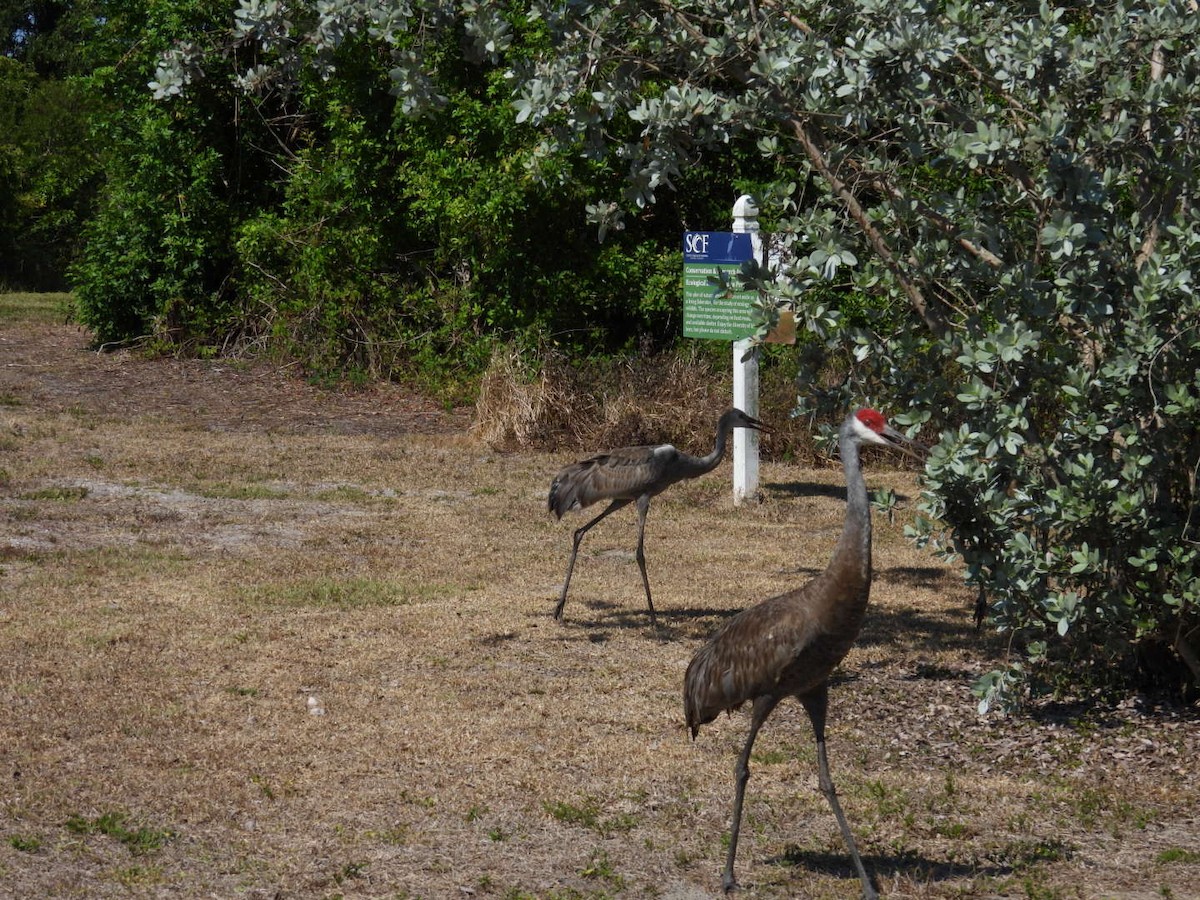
x,y
700,704
564,497
572,488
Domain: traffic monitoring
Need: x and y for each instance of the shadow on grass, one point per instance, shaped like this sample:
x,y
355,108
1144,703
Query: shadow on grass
x,y
912,628
910,865
594,620
1088,714
907,628
804,490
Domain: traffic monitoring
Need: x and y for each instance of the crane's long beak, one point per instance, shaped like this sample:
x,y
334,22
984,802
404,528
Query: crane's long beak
x,y
756,425
906,445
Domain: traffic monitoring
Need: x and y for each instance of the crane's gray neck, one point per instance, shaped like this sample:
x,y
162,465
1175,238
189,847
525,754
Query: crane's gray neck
x,y
852,556
698,465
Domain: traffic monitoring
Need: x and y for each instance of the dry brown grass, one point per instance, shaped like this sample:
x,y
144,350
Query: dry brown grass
x,y
545,404
194,557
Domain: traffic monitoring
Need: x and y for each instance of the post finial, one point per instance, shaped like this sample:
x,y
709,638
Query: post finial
x,y
745,207
745,216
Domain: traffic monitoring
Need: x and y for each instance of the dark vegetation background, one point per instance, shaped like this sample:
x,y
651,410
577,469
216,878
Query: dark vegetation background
x,y
321,226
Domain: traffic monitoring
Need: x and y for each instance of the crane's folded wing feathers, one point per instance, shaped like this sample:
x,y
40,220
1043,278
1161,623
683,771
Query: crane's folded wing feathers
x,y
623,474
750,656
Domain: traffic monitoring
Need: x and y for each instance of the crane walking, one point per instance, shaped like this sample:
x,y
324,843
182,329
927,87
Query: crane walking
x,y
633,474
789,645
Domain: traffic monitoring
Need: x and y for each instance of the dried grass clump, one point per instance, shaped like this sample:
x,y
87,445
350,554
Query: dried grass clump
x,y
668,397
544,403
521,404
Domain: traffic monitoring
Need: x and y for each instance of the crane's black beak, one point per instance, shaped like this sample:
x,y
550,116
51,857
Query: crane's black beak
x,y
905,445
754,423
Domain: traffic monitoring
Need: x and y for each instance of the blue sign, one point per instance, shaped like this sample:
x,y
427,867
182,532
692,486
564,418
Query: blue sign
x,y
717,247
711,262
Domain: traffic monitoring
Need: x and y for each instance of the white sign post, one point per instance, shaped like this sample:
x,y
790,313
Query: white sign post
x,y
715,309
745,373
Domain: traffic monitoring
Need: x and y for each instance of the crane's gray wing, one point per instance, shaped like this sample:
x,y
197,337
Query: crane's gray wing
x,y
762,650
623,474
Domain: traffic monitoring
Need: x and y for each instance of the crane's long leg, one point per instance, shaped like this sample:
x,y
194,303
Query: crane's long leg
x,y
643,507
762,708
579,533
815,704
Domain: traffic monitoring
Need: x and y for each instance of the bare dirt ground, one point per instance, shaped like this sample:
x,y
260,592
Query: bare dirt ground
x,y
259,639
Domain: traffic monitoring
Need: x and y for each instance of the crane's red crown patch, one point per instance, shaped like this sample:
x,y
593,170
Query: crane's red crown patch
x,y
873,419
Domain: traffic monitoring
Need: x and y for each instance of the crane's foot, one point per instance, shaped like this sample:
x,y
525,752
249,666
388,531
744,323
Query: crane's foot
x,y
729,882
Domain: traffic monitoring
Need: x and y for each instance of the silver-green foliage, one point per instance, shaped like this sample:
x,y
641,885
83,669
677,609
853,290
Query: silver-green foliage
x,y
1011,186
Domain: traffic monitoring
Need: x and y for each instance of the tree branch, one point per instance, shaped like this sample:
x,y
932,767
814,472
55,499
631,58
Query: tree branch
x,y
879,244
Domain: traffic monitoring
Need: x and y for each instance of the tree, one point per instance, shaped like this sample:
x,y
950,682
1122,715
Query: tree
x,y
993,220
156,254
302,202
48,166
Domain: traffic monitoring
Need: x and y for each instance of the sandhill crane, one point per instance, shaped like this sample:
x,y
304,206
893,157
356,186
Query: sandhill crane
x,y
633,474
789,645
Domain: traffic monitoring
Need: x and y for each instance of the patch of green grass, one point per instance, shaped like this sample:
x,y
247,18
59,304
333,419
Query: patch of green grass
x,y
124,562
261,783
345,492
350,871
951,787
1093,805
587,815
953,830
1090,804
139,839
1035,891
59,494
890,802
1022,854
770,757
335,593
1178,855
24,307
601,868
423,802
25,843
396,836
621,823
